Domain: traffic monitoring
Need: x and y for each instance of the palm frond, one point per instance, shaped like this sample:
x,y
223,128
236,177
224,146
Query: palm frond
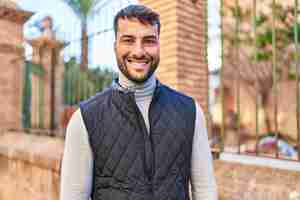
x,y
86,6
81,7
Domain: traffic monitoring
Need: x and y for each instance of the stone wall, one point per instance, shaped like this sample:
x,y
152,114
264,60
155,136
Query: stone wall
x,y
29,166
249,182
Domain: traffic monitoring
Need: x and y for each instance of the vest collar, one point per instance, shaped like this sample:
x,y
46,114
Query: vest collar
x,y
130,91
124,97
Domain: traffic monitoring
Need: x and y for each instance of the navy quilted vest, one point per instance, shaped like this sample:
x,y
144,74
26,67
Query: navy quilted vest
x,y
129,163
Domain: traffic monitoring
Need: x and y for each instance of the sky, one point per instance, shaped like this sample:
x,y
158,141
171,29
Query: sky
x,y
67,27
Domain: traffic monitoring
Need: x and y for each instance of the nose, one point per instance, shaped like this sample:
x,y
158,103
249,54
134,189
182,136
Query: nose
x,y
138,50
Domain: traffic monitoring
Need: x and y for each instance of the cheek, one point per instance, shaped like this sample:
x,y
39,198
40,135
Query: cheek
x,y
153,51
121,51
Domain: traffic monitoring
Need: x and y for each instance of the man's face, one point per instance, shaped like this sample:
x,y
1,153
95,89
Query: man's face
x,y
137,49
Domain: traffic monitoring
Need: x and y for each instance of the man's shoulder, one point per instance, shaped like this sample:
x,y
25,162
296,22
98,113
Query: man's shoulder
x,y
97,99
175,93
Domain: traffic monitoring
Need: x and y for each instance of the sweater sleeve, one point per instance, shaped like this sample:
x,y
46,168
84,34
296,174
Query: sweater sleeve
x,y
77,163
202,175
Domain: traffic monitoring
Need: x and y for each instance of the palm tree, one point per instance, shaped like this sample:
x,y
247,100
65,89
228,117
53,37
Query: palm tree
x,y
82,8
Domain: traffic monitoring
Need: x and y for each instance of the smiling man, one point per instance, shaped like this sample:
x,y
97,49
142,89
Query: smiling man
x,y
138,139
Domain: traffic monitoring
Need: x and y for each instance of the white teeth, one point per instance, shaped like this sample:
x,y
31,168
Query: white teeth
x,y
137,62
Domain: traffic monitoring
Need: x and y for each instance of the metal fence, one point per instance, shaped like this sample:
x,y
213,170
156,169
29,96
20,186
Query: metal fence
x,y
78,85
257,108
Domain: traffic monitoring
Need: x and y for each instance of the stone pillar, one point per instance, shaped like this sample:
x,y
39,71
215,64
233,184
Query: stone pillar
x,y
46,52
11,78
59,88
183,46
11,67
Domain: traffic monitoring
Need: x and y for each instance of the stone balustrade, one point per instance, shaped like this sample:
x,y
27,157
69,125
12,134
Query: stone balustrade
x,y
29,166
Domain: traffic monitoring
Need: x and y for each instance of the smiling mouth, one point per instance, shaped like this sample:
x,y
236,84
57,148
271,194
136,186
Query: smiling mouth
x,y
138,64
137,61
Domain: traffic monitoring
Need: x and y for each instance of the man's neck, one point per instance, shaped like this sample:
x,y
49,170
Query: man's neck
x,y
142,90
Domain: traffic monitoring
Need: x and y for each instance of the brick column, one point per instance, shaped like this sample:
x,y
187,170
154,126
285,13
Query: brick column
x,y
46,53
11,67
183,46
11,78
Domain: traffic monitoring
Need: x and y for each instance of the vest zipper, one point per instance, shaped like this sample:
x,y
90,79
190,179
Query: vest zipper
x,y
148,151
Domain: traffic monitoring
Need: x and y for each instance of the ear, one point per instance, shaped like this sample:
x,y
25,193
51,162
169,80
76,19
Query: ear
x,y
115,45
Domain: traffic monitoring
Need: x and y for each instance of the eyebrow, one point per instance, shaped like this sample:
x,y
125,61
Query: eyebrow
x,y
146,37
126,36
150,36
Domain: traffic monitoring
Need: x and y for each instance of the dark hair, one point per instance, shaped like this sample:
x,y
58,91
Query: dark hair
x,y
144,14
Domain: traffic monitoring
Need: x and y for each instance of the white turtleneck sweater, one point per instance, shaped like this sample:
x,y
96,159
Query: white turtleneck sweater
x,y
77,164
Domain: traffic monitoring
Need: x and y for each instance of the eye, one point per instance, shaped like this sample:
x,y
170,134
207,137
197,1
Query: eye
x,y
127,40
150,41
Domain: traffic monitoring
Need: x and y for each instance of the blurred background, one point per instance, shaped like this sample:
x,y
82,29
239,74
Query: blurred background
x,y
238,59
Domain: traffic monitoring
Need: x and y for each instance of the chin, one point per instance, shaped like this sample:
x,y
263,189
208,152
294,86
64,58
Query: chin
x,y
138,79
141,75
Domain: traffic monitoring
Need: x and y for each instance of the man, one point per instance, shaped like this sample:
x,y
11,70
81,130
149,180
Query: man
x,y
138,139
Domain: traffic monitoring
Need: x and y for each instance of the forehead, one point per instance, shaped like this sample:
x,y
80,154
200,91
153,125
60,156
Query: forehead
x,y
136,28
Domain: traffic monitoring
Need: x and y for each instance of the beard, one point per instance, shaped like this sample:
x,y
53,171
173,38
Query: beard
x,y
134,77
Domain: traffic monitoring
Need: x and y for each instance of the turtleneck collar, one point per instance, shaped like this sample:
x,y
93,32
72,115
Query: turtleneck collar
x,y
142,91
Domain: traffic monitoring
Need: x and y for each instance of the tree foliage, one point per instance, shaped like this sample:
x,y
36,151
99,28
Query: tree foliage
x,y
80,85
82,8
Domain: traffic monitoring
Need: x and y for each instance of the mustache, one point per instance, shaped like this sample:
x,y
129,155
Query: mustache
x,y
143,57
